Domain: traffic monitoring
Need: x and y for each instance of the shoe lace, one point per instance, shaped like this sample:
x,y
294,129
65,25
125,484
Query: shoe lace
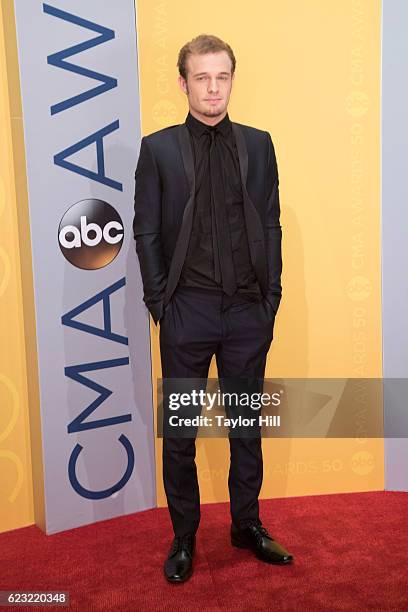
x,y
261,532
182,543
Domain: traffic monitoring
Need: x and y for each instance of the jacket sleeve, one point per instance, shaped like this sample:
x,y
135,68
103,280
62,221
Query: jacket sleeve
x,y
147,228
273,231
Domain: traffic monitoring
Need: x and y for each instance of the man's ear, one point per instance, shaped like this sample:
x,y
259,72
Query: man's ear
x,y
183,83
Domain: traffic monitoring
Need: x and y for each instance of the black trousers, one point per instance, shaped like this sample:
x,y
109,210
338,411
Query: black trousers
x,y
197,324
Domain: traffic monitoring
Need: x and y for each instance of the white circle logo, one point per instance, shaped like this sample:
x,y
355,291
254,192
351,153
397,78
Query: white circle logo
x,y
90,234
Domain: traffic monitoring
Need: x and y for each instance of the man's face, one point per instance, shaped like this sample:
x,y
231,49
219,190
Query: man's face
x,y
208,85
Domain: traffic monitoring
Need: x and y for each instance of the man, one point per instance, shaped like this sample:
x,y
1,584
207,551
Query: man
x,y
208,239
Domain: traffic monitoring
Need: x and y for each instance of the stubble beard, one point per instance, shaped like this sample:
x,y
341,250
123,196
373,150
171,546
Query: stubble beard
x,y
214,113
210,112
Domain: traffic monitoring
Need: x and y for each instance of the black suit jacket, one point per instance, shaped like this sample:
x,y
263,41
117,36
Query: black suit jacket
x,y
164,206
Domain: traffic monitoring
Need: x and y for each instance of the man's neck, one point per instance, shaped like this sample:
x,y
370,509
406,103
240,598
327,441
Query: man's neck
x,y
208,120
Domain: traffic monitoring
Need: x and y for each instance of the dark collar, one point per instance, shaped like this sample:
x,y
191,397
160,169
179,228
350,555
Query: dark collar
x,y
198,128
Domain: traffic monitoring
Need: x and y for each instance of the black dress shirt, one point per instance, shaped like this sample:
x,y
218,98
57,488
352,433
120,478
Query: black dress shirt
x,y
200,266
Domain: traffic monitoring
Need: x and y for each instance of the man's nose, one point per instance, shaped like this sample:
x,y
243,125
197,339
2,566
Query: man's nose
x,y
213,85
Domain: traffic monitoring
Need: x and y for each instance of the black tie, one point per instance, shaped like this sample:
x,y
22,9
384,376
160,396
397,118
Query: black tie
x,y
223,260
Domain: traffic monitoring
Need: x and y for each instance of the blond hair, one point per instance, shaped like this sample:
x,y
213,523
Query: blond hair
x,y
204,43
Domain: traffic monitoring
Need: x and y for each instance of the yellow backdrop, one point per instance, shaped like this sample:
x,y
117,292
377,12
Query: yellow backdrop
x,y
18,374
309,73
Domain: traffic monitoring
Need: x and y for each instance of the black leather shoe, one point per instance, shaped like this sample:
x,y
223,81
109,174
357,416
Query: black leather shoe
x,y
256,538
179,563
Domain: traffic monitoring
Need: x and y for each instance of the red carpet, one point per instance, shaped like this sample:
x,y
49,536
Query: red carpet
x,y
351,553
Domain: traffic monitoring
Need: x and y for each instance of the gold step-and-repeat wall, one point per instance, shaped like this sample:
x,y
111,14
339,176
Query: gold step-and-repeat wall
x,y
309,73
18,368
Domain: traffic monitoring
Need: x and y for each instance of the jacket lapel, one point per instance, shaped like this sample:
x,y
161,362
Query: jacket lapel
x,y
183,238
183,138
255,231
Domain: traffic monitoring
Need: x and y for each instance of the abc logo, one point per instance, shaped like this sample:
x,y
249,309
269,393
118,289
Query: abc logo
x,y
90,234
